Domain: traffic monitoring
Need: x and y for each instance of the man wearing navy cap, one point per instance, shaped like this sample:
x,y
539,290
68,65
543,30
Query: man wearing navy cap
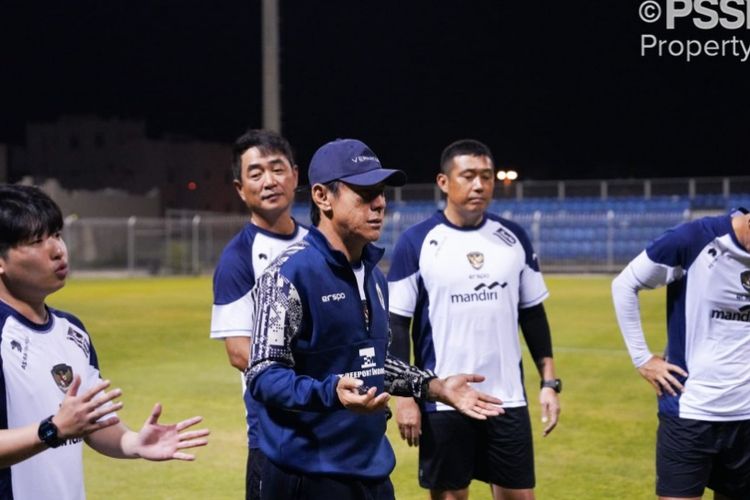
x,y
320,362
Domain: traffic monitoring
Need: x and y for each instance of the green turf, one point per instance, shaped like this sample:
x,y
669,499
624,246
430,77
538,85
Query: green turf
x,y
151,336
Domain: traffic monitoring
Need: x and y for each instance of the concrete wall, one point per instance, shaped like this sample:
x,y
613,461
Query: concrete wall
x,y
103,203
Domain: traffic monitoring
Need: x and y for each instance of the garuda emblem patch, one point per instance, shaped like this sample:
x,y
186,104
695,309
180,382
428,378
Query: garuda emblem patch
x,y
63,375
745,280
476,259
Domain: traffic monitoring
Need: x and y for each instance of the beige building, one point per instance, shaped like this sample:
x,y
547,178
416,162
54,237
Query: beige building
x,y
94,153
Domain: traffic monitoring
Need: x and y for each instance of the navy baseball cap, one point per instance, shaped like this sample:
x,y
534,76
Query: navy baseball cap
x,y
351,161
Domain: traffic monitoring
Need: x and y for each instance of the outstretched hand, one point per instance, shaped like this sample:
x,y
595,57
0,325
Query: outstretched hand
x,y
456,392
164,442
350,393
659,374
79,415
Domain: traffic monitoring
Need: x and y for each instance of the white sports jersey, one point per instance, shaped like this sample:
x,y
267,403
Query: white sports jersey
x,y
245,257
38,365
708,316
463,287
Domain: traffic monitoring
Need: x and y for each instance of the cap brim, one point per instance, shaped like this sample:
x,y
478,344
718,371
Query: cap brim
x,y
388,176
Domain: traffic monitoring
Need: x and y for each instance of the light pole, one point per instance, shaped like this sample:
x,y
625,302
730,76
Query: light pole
x,y
271,79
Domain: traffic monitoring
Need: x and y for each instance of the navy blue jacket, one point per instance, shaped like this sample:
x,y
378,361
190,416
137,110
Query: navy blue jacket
x,y
310,329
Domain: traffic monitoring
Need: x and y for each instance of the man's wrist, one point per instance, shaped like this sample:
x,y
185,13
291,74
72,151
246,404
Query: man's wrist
x,y
430,391
48,433
555,384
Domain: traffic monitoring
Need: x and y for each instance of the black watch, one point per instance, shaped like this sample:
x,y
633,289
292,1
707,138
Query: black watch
x,y
48,433
555,384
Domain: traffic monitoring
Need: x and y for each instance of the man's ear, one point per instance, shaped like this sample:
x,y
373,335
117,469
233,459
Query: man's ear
x,y
238,187
442,182
321,196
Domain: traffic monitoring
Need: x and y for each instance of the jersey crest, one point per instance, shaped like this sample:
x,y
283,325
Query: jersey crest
x,y
745,280
476,259
63,376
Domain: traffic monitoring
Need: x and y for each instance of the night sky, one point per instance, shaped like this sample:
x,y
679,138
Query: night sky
x,y
556,89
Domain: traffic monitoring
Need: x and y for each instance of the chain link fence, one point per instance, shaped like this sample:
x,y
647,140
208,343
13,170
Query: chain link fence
x,y
584,233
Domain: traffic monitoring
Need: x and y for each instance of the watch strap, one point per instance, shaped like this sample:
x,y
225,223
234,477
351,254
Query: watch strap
x,y
555,384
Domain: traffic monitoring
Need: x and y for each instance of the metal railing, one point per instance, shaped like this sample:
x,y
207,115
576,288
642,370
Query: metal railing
x,y
564,241
587,226
603,189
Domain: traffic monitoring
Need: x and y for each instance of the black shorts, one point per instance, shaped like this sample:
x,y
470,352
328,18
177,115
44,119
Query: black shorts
x,y
282,484
694,454
454,449
256,460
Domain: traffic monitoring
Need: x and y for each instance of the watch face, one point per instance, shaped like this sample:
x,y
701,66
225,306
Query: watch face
x,y
48,433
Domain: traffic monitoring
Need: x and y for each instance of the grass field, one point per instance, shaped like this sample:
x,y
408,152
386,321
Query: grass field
x,y
151,336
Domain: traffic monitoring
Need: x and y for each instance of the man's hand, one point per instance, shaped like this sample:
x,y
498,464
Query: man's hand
x,y
164,442
550,409
409,419
79,415
350,394
658,373
456,392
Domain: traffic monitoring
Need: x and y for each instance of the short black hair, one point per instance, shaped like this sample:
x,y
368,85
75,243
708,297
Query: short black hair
x,y
267,142
333,187
26,213
469,147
